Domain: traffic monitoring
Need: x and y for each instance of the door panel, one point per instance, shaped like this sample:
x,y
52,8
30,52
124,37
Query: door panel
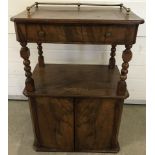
x,y
94,121
55,121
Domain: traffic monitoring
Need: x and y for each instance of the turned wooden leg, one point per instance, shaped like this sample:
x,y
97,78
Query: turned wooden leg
x,y
25,54
40,57
112,57
126,56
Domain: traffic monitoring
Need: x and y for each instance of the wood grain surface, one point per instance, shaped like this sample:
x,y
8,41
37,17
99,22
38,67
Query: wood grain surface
x,y
54,126
94,122
71,124
76,33
66,80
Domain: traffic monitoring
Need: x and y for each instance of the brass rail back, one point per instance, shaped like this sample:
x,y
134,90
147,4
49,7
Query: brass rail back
x,y
36,4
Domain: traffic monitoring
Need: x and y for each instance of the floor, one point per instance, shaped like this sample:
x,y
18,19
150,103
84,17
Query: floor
x,y
131,136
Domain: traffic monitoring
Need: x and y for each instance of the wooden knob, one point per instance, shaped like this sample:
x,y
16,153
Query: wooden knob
x,y
108,34
41,34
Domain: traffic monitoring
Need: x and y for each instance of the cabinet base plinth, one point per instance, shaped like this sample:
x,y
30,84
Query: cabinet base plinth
x,y
115,149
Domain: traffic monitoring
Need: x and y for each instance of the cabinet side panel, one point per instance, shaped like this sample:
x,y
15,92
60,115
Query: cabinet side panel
x,y
34,118
55,121
21,32
131,34
117,121
94,125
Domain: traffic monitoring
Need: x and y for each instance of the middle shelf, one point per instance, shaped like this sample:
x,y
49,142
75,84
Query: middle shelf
x,y
72,80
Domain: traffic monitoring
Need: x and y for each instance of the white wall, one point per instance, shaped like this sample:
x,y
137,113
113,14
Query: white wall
x,y
85,54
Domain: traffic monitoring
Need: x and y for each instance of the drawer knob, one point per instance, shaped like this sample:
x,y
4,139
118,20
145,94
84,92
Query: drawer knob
x,y
41,34
108,34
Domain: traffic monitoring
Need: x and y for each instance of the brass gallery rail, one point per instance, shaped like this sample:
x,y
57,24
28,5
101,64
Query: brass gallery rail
x,y
36,4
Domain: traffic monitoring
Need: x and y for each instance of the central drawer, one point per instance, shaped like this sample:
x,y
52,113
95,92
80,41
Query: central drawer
x,y
73,33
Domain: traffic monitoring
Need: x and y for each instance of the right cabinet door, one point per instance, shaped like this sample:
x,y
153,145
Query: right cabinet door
x,y
97,124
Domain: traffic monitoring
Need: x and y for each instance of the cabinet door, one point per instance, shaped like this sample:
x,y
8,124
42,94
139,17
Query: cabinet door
x,y
53,123
96,124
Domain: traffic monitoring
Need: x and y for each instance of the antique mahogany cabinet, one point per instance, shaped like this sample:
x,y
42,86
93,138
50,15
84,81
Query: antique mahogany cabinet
x,y
76,107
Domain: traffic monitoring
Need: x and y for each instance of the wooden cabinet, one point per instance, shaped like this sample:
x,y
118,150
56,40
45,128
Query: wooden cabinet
x,y
76,107
73,124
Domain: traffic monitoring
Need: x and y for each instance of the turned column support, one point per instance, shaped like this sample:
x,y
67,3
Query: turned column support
x,y
25,54
112,60
40,57
126,56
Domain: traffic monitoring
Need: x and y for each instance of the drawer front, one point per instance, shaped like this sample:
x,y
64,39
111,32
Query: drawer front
x,y
109,34
106,34
49,33
94,34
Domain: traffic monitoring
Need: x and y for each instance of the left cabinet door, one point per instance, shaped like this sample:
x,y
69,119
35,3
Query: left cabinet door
x,y
53,123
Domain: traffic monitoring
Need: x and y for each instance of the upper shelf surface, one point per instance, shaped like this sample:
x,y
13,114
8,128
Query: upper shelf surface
x,y
100,15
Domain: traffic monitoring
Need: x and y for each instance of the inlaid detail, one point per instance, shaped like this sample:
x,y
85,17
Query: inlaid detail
x,y
25,54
